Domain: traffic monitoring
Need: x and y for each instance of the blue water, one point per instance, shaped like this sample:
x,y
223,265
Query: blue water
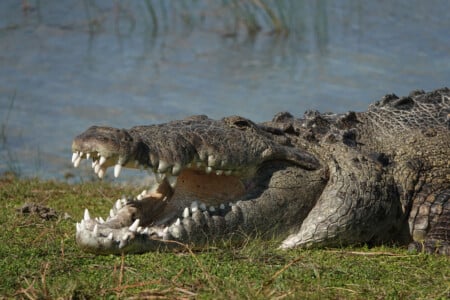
x,y
65,65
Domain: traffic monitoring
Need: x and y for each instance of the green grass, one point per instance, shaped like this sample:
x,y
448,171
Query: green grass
x,y
40,260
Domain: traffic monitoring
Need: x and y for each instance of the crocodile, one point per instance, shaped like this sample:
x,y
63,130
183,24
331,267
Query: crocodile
x,y
381,176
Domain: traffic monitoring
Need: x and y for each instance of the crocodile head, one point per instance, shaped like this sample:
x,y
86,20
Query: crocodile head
x,y
228,177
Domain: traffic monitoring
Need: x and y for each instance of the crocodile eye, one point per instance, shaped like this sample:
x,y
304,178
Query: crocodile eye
x,y
239,122
242,124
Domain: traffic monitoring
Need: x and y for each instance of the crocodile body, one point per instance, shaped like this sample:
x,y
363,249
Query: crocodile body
x,y
323,180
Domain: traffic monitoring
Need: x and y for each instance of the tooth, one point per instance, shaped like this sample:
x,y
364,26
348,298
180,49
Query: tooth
x,y
145,231
186,212
166,229
208,170
82,225
101,173
126,236
74,156
111,213
144,192
176,169
162,167
95,231
101,220
178,222
139,197
202,206
172,180
118,205
212,209
194,206
77,161
222,206
87,217
78,227
211,160
88,155
102,160
97,168
110,236
117,169
94,164
134,226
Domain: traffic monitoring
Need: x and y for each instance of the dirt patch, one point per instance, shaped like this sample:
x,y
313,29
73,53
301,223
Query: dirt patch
x,y
44,212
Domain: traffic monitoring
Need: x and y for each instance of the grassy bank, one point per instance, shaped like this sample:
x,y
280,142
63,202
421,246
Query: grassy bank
x,y
40,260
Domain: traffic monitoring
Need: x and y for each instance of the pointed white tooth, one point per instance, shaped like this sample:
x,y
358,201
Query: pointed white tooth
x,y
101,221
222,206
139,197
88,155
176,169
134,226
219,172
178,222
208,170
82,225
172,180
212,209
126,236
202,206
110,236
111,213
211,160
94,164
143,193
101,173
118,205
86,217
97,168
166,229
145,231
162,167
77,161
139,229
117,169
186,212
78,227
74,156
95,231
102,160
194,206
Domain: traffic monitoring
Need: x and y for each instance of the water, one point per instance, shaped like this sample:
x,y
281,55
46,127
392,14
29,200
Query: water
x,y
66,65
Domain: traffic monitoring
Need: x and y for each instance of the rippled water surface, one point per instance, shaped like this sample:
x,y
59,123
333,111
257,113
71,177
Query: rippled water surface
x,y
65,65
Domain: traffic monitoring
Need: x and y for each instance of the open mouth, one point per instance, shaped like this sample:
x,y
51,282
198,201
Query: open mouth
x,y
181,195
209,178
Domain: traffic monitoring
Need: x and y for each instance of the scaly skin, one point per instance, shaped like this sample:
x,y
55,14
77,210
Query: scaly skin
x,y
325,180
